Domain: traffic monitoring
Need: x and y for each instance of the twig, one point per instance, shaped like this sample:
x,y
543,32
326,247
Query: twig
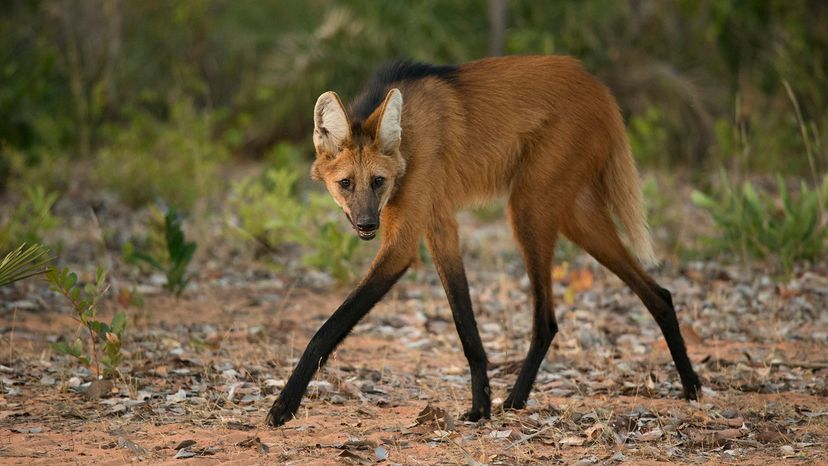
x,y
527,438
802,364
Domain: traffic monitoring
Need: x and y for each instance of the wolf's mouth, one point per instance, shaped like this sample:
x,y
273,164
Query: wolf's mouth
x,y
366,235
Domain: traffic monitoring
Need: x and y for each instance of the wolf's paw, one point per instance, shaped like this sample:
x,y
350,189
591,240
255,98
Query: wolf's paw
x,y
476,413
510,404
279,413
692,388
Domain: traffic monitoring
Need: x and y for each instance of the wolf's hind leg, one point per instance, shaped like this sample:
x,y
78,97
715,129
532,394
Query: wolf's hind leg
x,y
592,228
536,230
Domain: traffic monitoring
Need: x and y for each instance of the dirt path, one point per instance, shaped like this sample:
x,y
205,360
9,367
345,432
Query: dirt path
x,y
205,371
202,371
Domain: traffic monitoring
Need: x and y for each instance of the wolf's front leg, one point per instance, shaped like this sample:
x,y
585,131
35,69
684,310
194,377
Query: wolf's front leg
x,y
443,241
390,263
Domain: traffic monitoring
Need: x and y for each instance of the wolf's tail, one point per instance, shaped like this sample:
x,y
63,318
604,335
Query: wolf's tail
x,y
623,188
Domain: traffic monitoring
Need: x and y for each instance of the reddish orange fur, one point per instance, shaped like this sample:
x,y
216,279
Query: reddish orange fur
x,y
538,129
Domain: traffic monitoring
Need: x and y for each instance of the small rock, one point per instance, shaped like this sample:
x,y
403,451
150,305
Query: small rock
x,y
98,389
787,451
178,396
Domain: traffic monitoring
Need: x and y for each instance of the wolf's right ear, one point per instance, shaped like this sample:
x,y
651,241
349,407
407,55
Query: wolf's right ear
x,y
330,124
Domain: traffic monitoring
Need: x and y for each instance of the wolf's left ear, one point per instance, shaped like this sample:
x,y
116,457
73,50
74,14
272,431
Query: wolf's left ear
x,y
330,124
389,132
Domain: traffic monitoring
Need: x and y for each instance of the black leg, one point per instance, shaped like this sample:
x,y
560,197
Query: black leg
x,y
544,329
457,290
665,315
449,264
382,276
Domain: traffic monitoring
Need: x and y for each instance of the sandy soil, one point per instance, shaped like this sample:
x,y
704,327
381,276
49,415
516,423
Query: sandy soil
x,y
201,372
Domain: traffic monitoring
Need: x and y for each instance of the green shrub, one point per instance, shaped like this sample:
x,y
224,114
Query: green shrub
x,y
85,303
41,167
331,246
269,210
266,208
175,160
284,155
30,220
175,257
648,137
785,228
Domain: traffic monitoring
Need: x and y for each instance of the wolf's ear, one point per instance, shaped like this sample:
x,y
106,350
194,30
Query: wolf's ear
x,y
389,132
330,124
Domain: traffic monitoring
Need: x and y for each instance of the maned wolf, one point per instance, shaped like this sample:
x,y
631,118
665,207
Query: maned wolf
x,y
424,140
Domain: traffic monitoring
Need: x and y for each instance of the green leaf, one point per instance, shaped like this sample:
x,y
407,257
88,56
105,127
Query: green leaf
x,y
702,200
119,322
151,261
24,262
99,328
74,295
72,349
69,280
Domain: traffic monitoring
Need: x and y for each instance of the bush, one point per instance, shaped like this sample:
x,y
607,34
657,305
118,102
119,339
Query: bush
x,y
332,247
266,208
175,161
648,137
30,221
269,210
785,228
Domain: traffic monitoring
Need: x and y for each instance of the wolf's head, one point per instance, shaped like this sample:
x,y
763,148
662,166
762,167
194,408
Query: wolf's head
x,y
360,164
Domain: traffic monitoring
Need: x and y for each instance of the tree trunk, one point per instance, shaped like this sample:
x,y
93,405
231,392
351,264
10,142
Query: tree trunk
x,y
497,27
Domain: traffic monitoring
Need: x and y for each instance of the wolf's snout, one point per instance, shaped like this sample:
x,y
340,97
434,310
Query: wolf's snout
x,y
366,224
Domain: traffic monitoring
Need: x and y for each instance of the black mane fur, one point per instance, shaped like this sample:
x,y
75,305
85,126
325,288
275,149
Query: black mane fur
x,y
400,70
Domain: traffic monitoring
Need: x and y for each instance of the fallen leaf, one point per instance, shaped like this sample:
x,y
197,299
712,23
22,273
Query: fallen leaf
x,y
123,442
572,441
652,435
438,417
351,456
185,444
27,430
715,438
183,454
254,442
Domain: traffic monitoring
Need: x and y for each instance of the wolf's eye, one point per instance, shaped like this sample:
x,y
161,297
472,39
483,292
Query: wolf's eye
x,y
378,181
346,183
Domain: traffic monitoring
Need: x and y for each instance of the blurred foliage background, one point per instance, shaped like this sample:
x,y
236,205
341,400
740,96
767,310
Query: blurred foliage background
x,y
149,99
694,77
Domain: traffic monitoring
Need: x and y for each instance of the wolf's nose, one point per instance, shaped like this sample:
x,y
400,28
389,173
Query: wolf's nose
x,y
366,225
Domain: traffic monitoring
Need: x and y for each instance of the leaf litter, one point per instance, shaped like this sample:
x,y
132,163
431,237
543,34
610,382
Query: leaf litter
x,y
205,369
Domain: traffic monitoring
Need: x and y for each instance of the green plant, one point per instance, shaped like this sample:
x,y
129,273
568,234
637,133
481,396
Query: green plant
x,y
332,249
266,208
24,262
648,137
84,301
175,160
284,155
269,210
30,220
175,259
784,227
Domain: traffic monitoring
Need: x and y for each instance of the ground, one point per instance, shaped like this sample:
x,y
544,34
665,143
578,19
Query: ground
x,y
201,371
